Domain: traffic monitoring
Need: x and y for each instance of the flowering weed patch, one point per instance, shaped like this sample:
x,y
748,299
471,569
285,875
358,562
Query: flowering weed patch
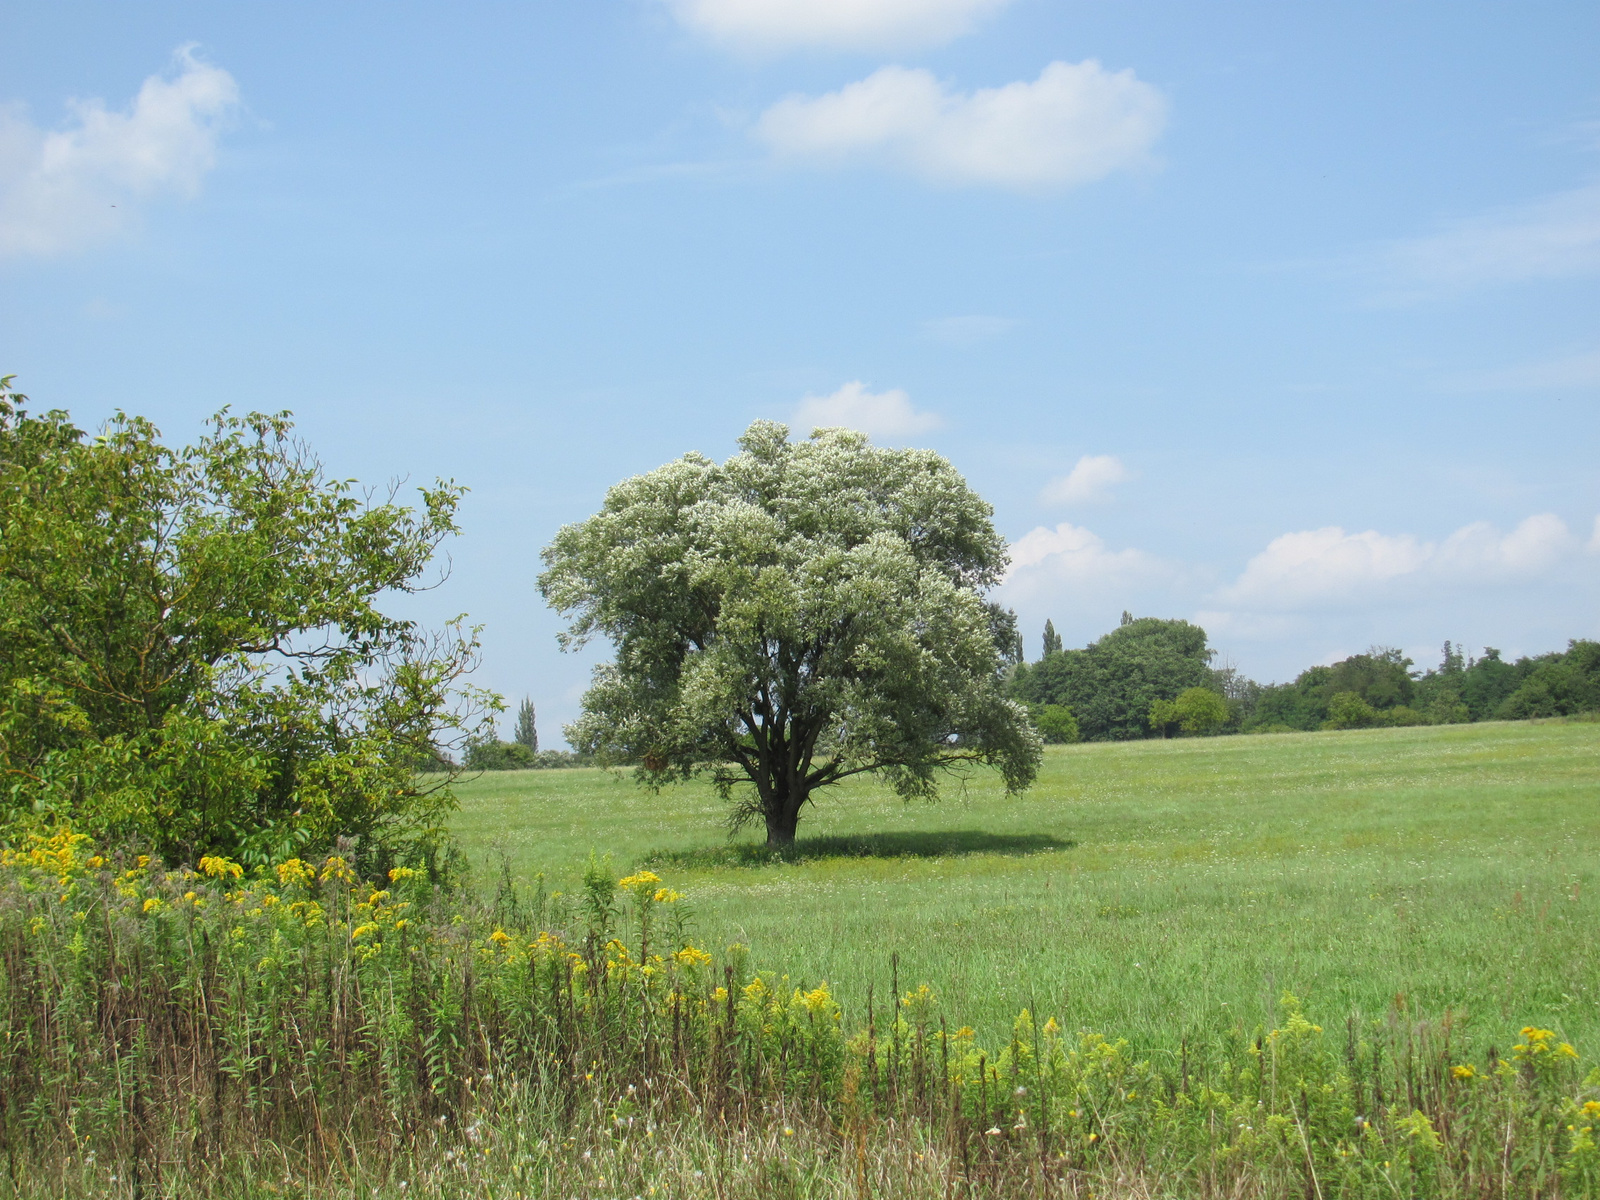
x,y
220,1032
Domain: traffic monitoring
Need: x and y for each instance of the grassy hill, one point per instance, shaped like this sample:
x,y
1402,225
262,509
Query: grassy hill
x,y
1156,889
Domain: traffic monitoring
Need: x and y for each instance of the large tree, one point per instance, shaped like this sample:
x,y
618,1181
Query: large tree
x,y
804,612
193,655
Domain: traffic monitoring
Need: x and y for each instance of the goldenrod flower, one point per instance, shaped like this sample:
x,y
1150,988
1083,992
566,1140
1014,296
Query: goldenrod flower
x,y
221,868
295,871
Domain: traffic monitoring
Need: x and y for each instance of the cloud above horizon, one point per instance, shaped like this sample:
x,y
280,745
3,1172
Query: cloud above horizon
x,y
1571,371
877,414
1075,564
773,25
1328,567
1075,124
64,189
1555,237
969,330
1089,482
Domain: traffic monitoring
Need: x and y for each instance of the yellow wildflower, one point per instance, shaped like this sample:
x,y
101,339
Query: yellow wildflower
x,y
692,956
818,999
667,896
1465,1071
500,937
361,931
401,874
295,871
220,868
152,904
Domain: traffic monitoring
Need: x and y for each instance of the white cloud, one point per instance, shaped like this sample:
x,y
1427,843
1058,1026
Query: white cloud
x,y
1070,559
968,330
1553,238
1594,538
1089,481
1325,567
1076,123
1574,371
879,414
837,24
69,187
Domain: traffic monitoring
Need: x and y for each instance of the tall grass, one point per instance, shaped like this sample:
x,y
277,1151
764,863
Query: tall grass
x,y
182,1033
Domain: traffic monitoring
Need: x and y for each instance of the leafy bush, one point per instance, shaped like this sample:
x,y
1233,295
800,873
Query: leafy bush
x,y
1056,723
1346,710
192,655
1196,711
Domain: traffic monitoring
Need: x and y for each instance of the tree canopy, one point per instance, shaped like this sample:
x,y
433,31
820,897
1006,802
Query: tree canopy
x,y
192,655
803,612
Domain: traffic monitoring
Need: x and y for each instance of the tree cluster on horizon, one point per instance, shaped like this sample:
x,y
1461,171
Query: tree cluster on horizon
x,y
1150,677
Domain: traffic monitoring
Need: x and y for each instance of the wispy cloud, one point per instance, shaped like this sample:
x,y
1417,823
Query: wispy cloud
x,y
966,331
1075,124
1556,237
837,24
1090,481
67,188
1572,371
878,414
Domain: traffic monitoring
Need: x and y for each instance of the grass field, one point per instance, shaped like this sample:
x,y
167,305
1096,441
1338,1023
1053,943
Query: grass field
x,y
1154,890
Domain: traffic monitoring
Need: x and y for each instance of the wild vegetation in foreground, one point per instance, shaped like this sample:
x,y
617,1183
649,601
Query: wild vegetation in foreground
x,y
299,1031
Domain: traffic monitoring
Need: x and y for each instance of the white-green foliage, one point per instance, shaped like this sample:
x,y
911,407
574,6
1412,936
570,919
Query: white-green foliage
x,y
802,612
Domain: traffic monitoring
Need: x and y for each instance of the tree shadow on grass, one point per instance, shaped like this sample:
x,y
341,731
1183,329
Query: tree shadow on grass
x,y
946,843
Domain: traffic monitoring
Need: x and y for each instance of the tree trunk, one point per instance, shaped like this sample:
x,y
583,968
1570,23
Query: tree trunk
x,y
783,815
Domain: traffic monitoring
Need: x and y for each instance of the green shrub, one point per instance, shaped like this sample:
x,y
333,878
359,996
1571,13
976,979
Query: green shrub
x,y
1346,710
1056,723
192,652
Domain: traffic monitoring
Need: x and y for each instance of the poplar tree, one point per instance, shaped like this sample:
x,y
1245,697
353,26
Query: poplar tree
x,y
1052,639
527,731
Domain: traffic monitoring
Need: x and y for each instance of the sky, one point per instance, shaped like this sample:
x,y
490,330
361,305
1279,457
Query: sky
x,y
1281,318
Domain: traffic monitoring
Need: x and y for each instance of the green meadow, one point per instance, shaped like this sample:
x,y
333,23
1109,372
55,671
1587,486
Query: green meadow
x,y
1156,890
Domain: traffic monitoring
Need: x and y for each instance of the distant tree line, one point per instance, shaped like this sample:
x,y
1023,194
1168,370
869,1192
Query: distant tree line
x,y
1150,677
522,752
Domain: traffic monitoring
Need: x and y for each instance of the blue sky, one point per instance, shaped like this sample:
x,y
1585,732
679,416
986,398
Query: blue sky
x,y
1284,318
